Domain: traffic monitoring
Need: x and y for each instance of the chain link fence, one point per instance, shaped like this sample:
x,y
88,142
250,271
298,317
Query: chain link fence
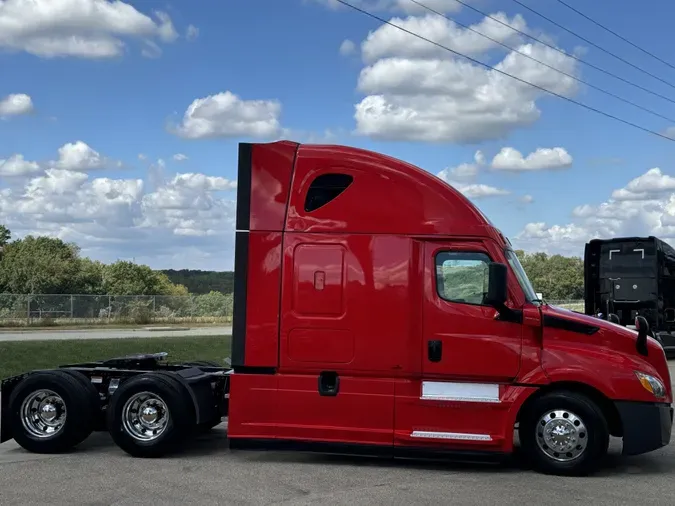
x,y
214,307
573,305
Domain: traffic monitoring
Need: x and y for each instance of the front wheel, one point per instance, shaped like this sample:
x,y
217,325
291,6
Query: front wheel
x,y
564,433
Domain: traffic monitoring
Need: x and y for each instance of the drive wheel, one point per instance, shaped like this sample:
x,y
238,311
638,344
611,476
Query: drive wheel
x,y
564,433
150,415
50,412
92,396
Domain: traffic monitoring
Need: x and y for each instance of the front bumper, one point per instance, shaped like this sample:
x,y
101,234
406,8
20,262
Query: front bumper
x,y
646,426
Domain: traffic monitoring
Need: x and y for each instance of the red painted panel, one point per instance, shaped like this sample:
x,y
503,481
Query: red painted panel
x,y
327,346
493,419
271,171
262,308
605,360
361,412
415,414
417,202
253,408
319,280
378,308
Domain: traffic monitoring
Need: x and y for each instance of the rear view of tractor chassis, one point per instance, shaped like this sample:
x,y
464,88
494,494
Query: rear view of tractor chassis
x,y
149,407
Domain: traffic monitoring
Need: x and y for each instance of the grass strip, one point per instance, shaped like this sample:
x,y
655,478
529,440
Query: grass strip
x,y
22,356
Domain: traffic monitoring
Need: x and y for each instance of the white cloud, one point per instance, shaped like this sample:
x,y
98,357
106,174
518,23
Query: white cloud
x,y
227,115
389,41
463,171
16,104
645,206
651,184
78,28
192,32
527,199
459,176
18,166
478,191
347,47
180,157
186,221
78,156
72,157
415,91
511,159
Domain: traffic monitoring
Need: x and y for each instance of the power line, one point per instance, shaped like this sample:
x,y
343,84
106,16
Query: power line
x,y
576,58
490,67
544,63
592,43
614,33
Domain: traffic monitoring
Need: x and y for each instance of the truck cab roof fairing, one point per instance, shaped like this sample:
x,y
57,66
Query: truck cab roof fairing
x,y
384,196
263,183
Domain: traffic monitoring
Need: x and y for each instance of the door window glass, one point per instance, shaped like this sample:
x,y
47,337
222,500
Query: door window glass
x,y
462,276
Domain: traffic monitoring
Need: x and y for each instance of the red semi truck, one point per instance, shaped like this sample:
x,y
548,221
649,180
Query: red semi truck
x,y
376,311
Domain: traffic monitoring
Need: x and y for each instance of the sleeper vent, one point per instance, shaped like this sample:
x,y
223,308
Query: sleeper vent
x,y
325,188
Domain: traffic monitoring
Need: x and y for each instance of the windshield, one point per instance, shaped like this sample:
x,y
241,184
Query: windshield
x,y
530,294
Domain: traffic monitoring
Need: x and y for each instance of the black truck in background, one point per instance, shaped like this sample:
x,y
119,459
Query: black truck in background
x,y
627,277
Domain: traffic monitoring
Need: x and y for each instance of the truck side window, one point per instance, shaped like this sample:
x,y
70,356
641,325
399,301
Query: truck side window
x,y
462,276
325,188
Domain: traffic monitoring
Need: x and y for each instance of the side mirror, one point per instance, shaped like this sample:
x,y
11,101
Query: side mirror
x,y
497,275
642,327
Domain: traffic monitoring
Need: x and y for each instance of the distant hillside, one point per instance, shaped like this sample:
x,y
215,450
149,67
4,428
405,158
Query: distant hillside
x,y
199,282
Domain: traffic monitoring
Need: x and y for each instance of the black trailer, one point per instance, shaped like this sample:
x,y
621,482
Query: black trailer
x,y
625,277
149,406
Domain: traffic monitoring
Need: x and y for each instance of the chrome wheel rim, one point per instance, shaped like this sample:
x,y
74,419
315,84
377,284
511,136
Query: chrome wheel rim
x,y
145,416
43,414
562,435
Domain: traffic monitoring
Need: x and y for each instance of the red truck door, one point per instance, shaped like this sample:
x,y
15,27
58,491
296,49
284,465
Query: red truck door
x,y
468,355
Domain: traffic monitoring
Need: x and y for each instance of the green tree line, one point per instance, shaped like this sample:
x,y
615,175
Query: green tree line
x,y
556,277
45,265
201,282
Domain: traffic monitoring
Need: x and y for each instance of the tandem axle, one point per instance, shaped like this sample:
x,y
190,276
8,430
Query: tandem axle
x,y
149,406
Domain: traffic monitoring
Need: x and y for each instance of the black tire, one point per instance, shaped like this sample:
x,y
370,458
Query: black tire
x,y
72,395
203,427
93,398
588,447
176,406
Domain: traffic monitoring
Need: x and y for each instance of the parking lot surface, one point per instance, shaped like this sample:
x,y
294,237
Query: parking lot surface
x,y
98,473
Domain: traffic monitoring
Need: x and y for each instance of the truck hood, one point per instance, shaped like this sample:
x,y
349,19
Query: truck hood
x,y
569,329
611,334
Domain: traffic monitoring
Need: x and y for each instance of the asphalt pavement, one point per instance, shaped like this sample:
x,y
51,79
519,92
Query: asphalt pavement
x,y
98,473
39,335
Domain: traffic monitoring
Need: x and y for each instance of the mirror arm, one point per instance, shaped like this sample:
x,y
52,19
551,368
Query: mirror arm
x,y
507,314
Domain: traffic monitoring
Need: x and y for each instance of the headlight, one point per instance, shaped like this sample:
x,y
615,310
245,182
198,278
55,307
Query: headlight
x,y
651,384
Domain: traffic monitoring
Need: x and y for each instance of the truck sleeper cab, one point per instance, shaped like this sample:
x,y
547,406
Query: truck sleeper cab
x,y
378,310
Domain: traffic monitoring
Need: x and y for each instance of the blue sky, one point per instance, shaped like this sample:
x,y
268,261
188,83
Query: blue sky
x,y
119,79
